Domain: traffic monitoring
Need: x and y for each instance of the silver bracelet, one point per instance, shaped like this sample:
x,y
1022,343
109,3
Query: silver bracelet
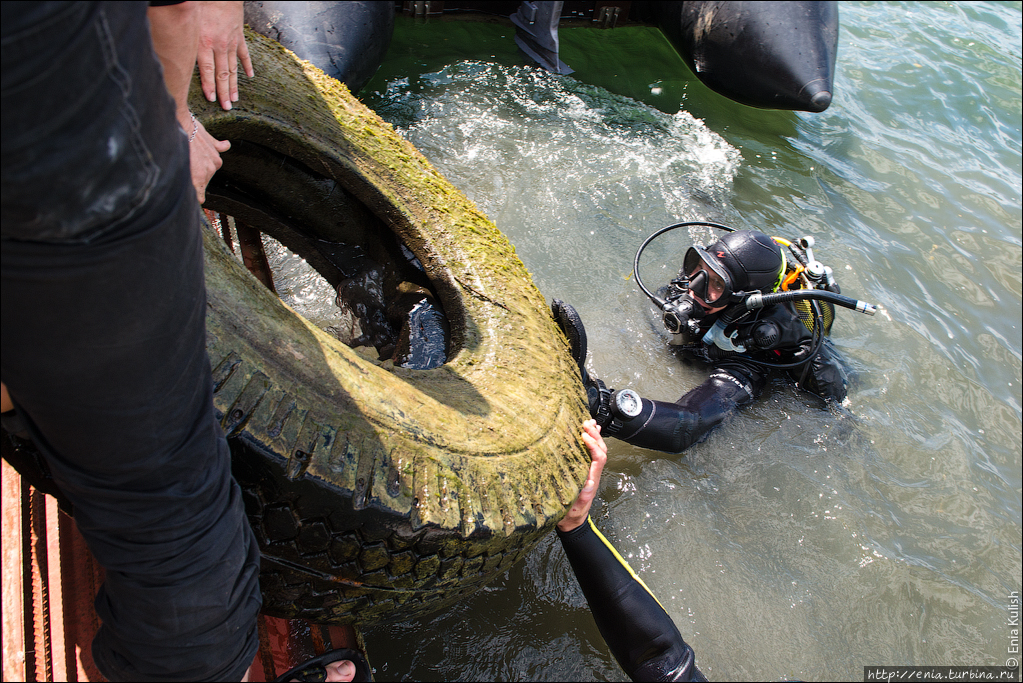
x,y
195,127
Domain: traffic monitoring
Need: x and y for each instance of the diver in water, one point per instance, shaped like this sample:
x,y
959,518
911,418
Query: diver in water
x,y
741,307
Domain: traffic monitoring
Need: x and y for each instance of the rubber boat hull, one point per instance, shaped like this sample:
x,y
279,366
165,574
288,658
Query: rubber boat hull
x,y
771,55
347,40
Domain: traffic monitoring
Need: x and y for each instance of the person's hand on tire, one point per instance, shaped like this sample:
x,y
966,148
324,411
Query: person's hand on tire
x,y
204,152
222,49
598,452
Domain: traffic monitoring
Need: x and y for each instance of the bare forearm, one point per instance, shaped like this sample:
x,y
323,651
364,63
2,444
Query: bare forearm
x,y
175,31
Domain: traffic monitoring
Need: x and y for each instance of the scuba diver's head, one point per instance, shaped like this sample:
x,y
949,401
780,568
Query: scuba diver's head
x,y
718,276
720,285
741,262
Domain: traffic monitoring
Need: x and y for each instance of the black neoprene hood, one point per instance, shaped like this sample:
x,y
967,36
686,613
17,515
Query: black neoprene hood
x,y
753,260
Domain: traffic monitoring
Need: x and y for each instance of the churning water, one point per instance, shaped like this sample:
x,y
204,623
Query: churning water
x,y
795,542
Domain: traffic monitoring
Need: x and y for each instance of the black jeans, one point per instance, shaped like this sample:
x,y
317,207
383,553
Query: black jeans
x,y
103,338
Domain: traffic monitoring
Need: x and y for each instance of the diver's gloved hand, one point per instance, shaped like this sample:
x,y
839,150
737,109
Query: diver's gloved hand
x,y
572,327
598,396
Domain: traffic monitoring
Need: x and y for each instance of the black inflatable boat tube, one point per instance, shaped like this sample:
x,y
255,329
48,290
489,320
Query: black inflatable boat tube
x,y
772,55
348,40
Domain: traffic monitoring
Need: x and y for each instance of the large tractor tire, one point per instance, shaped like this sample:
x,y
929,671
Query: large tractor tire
x,y
378,492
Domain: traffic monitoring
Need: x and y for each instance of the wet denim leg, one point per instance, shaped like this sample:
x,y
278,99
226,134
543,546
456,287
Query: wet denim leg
x,y
103,339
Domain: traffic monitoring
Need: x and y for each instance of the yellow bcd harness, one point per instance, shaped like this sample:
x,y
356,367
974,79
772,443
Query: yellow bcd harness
x,y
794,279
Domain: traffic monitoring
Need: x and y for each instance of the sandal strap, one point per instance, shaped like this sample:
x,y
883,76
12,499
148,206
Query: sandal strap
x,y
315,669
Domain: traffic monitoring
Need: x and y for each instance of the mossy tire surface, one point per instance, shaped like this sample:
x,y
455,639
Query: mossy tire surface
x,y
377,492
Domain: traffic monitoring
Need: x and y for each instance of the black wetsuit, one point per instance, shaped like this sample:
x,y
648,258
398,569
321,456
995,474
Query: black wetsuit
x,y
641,635
778,335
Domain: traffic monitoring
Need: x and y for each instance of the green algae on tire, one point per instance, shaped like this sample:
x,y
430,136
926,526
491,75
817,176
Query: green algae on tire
x,y
378,492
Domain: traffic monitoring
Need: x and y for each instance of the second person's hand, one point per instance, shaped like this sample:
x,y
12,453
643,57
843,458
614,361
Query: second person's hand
x,y
222,48
204,152
598,452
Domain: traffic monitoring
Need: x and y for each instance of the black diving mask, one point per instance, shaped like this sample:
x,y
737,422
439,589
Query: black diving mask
x,y
712,283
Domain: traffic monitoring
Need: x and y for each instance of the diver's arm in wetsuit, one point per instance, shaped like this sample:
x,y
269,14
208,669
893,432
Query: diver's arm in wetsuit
x,y
826,375
779,336
641,635
674,427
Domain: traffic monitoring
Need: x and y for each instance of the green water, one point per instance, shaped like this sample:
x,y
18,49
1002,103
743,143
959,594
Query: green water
x,y
795,542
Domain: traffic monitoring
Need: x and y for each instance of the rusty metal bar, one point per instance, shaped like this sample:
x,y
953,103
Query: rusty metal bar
x,y
221,225
62,661
14,668
253,256
40,577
